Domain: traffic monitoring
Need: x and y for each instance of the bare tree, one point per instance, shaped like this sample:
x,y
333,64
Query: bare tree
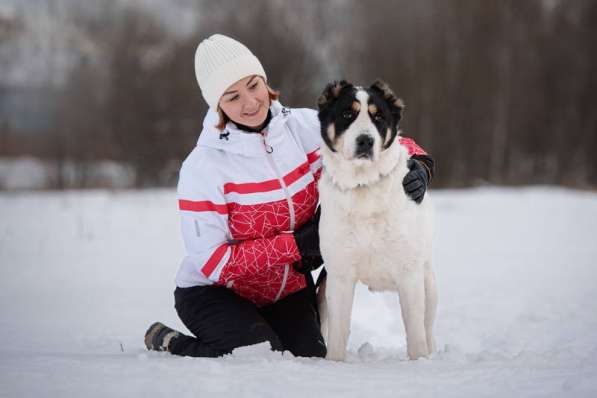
x,y
499,92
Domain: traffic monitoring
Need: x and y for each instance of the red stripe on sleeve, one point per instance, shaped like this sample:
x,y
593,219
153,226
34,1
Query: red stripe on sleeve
x,y
297,173
214,260
313,156
269,185
252,187
202,205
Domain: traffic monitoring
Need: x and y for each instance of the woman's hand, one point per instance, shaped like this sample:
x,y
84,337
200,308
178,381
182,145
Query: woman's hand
x,y
307,241
416,180
307,264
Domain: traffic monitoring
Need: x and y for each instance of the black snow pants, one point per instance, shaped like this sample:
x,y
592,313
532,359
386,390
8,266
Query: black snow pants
x,y
221,320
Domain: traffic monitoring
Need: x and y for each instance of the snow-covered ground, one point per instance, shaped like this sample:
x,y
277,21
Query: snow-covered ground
x,y
82,275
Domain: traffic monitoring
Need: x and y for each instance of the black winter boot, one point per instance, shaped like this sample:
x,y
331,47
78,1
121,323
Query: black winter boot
x,y
159,337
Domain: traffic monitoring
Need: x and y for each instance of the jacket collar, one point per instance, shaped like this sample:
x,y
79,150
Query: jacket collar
x,y
234,140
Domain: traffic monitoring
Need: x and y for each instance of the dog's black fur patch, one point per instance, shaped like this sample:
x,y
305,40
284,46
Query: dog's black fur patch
x,y
391,103
336,99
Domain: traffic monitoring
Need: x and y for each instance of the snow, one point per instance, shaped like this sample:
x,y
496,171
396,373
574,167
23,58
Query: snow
x,y
23,173
28,173
84,273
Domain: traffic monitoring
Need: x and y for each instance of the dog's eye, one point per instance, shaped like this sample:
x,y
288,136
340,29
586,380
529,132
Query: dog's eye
x,y
347,114
378,117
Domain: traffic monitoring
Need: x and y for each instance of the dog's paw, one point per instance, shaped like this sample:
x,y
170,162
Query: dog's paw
x,y
336,356
413,354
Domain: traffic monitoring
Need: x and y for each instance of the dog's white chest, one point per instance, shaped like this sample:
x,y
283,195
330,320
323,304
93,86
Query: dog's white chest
x,y
375,235
381,249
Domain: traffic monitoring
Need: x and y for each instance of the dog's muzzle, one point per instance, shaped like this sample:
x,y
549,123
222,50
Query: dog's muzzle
x,y
364,146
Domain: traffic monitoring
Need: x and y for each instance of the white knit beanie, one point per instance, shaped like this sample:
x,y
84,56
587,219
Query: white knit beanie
x,y
221,61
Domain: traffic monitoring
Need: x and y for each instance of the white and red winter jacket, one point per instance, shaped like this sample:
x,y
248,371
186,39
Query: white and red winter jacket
x,y
240,197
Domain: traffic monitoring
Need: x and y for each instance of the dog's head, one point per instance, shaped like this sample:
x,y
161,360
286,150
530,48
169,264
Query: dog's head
x,y
357,122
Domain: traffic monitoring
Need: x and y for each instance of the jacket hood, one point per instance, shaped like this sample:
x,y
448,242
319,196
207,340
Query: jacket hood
x,y
232,139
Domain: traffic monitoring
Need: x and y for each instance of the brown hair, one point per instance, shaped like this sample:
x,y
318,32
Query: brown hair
x,y
223,118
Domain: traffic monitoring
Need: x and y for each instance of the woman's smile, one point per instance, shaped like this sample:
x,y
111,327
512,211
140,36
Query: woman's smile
x,y
251,114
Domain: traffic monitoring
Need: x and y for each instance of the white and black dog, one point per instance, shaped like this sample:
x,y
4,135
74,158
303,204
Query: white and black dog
x,y
370,231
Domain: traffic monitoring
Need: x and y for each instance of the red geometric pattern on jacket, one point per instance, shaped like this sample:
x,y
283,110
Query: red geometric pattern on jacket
x,y
411,146
256,269
267,219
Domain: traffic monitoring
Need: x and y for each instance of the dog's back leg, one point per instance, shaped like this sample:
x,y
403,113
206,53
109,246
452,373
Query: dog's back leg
x,y
411,288
430,305
339,296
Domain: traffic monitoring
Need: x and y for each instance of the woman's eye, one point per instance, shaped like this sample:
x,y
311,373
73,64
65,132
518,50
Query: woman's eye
x,y
253,86
233,98
347,114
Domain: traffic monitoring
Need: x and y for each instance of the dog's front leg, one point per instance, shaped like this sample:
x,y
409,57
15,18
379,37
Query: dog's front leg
x,y
411,288
339,296
430,306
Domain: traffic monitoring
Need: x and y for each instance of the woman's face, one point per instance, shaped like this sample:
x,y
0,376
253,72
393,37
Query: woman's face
x,y
246,101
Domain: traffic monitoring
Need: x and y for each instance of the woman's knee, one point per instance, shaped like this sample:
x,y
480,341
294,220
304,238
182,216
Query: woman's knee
x,y
260,332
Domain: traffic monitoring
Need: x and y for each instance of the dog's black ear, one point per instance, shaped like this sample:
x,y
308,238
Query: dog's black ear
x,y
395,103
331,93
396,106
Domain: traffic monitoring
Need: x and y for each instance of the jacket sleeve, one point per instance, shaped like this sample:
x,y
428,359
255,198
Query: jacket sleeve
x,y
207,238
306,122
419,154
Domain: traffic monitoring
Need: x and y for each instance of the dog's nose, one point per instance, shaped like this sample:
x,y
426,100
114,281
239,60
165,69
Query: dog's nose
x,y
364,144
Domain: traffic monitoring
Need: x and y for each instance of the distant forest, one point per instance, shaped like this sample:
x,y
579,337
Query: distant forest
x,y
498,91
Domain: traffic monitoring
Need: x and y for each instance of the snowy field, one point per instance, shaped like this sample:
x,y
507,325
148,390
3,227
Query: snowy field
x,y
83,274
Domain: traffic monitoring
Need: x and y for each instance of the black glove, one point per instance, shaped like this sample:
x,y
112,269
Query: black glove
x,y
415,181
307,264
307,241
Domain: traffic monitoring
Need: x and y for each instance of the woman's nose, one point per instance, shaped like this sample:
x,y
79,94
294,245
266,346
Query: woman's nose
x,y
251,102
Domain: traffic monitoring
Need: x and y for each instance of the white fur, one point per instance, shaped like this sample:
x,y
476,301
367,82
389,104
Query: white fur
x,y
370,231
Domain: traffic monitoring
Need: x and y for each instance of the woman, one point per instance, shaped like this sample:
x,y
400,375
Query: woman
x,y
247,196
